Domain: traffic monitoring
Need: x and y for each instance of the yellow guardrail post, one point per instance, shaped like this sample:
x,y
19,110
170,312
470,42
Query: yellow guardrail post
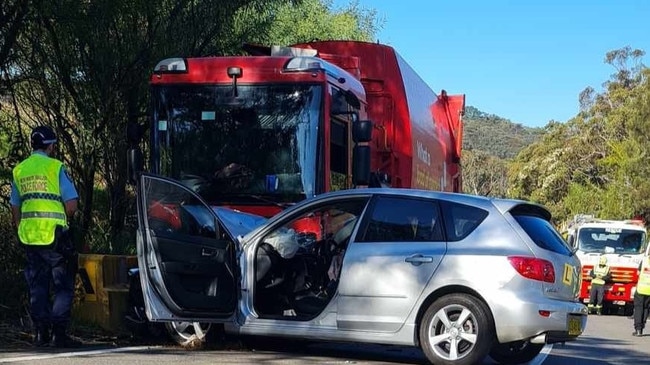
x,y
102,290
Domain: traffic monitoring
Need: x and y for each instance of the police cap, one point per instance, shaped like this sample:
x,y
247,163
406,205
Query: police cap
x,y
42,136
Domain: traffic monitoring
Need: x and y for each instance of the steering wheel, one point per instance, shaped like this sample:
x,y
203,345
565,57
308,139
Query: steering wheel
x,y
194,182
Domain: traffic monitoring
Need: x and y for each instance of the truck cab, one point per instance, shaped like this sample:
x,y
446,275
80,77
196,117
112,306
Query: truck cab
x,y
623,243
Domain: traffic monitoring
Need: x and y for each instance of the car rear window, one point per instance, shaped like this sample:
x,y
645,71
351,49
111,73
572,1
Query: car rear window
x,y
543,233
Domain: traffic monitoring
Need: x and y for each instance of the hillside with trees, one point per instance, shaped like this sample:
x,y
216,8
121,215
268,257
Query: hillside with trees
x,y
495,135
489,143
599,161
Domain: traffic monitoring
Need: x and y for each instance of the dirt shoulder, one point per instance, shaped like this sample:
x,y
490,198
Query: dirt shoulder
x,y
15,335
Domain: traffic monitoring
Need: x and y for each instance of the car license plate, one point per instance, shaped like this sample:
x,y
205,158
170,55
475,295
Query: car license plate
x,y
575,325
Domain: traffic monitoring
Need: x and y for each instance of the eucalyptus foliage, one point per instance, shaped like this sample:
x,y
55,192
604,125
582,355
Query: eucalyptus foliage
x,y
83,68
597,162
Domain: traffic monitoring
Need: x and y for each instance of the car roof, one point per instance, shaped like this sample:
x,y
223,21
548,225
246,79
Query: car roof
x,y
502,204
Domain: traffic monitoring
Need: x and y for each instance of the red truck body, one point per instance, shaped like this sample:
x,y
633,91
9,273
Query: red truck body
x,y
418,134
416,137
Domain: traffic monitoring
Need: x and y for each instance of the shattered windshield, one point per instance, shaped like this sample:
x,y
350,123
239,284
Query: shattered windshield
x,y
261,143
611,240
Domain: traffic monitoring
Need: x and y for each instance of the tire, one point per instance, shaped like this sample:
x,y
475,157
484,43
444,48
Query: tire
x,y
189,335
445,340
629,310
517,352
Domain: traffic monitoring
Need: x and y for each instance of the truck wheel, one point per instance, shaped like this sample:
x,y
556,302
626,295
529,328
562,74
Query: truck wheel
x,y
629,310
456,329
190,335
517,352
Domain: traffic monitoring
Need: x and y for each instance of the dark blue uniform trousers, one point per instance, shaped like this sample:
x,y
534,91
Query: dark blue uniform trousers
x,y
45,266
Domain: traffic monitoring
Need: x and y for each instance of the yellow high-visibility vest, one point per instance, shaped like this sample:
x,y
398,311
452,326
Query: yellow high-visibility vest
x,y
643,286
602,270
42,207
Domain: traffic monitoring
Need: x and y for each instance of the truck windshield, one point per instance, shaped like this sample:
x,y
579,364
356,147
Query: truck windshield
x,y
611,240
261,143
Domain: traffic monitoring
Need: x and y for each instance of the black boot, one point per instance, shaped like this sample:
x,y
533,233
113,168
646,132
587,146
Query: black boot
x,y
42,337
637,333
62,340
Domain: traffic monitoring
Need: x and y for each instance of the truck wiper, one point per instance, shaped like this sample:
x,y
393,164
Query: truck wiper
x,y
271,201
238,198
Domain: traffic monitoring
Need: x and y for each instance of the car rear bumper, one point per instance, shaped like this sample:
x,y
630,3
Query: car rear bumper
x,y
546,321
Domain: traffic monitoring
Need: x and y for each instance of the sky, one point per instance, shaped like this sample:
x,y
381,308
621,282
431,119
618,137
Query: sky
x,y
525,60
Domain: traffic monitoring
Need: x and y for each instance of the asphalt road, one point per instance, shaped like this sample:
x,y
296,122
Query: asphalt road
x,y
607,340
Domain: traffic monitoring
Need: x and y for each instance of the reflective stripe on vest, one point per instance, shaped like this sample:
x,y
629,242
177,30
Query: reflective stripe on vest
x,y
604,270
42,208
43,215
643,286
44,196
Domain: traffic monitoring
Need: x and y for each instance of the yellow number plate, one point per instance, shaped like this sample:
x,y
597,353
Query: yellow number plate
x,y
575,325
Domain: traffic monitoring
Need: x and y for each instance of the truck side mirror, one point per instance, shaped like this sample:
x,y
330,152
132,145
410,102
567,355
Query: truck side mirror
x,y
361,165
362,131
134,164
361,135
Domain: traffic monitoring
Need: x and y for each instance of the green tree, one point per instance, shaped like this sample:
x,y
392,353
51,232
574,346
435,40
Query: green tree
x,y
284,23
596,162
484,174
83,67
13,14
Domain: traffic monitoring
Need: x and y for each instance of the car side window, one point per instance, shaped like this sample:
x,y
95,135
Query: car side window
x,y
396,219
461,219
173,211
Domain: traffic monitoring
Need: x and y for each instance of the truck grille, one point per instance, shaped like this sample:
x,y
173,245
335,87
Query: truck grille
x,y
619,274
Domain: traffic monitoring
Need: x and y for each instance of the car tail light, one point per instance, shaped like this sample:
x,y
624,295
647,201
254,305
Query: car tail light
x,y
533,268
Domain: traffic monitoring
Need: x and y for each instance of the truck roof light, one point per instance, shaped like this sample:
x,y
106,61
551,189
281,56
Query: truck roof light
x,y
171,65
292,51
304,64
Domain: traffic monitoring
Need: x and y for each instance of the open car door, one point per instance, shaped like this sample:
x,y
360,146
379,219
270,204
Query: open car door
x,y
187,260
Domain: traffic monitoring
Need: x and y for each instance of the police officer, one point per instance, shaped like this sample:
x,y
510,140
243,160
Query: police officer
x,y
42,199
642,297
599,274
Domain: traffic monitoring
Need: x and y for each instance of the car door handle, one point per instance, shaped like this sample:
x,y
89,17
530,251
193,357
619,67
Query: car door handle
x,y
418,259
208,252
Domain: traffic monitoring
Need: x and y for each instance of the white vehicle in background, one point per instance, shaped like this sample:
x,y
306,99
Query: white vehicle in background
x,y
623,243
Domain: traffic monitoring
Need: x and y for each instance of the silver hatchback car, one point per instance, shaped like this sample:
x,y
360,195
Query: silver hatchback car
x,y
462,277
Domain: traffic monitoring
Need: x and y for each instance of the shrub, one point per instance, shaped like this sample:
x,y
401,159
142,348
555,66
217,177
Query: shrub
x,y
12,262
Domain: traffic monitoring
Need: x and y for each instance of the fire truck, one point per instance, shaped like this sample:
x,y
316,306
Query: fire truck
x,y
257,133
623,243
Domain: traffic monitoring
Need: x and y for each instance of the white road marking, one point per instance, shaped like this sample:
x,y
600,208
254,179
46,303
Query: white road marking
x,y
77,353
546,350
542,355
538,360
